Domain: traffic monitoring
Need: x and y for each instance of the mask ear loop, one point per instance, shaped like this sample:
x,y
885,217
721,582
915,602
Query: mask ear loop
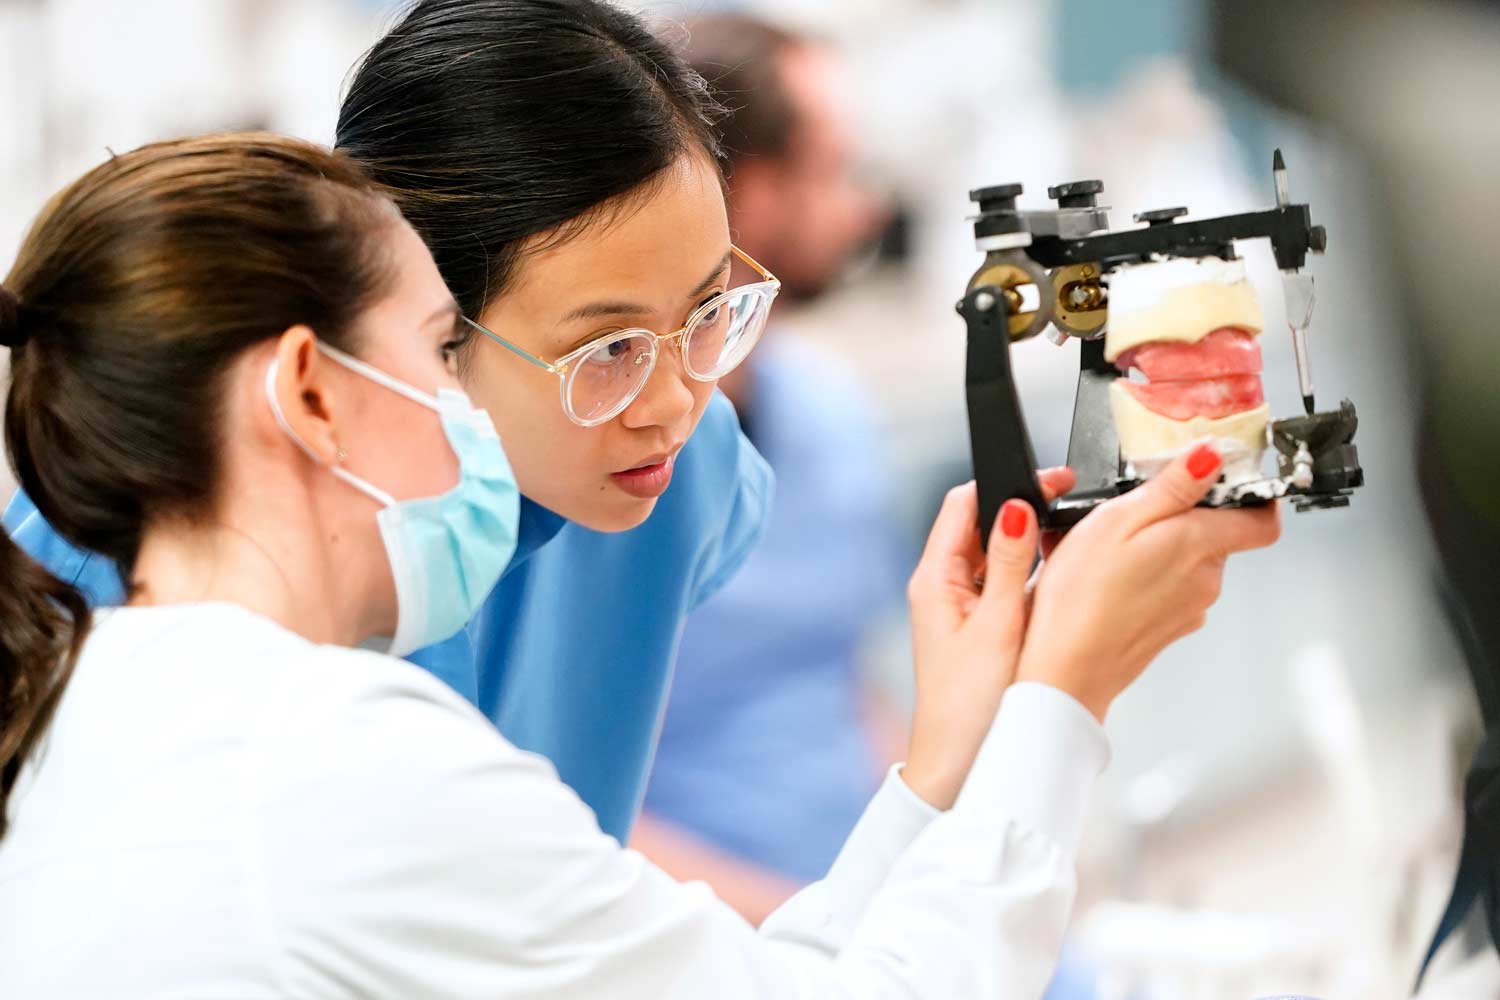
x,y
368,489
374,374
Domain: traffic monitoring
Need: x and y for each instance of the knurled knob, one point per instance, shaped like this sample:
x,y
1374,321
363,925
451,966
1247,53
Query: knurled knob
x,y
1076,194
1160,216
998,198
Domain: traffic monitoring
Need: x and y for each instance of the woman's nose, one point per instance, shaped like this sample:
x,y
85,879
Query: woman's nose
x,y
666,397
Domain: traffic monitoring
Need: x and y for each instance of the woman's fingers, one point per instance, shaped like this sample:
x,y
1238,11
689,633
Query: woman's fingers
x,y
954,538
966,638
1011,556
1240,529
954,569
945,582
1173,490
1057,481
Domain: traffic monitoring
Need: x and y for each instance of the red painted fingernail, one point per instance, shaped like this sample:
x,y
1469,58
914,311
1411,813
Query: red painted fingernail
x,y
1013,518
1202,461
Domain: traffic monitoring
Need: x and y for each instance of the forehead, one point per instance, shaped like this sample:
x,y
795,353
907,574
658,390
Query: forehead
x,y
414,290
656,245
414,274
411,313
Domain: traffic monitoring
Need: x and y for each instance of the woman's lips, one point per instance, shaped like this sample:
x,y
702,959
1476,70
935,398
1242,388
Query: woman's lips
x,y
1214,377
646,482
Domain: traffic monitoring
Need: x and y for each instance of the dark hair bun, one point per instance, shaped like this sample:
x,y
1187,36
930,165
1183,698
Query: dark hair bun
x,y
10,319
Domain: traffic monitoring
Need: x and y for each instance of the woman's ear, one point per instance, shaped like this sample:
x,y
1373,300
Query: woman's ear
x,y
307,396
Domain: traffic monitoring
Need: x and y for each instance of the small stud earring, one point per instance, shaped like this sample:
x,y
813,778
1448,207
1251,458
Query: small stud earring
x,y
341,455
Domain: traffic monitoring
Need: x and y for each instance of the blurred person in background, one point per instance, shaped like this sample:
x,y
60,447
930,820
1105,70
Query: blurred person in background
x,y
773,739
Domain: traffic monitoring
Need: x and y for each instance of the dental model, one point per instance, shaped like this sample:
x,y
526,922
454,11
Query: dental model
x,y
1185,330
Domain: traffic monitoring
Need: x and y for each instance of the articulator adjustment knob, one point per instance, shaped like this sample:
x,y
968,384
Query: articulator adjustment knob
x,y
998,198
999,224
1078,194
1160,216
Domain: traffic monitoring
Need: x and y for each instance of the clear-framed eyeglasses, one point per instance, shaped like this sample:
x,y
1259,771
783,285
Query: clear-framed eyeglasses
x,y
601,378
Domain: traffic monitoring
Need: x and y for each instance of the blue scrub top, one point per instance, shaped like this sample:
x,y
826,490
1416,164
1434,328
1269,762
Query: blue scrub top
x,y
765,718
572,654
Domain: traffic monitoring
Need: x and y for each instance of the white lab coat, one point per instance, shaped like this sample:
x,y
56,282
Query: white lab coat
x,y
223,809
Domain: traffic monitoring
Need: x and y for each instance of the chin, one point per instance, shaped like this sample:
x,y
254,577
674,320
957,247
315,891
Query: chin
x,y
1187,330
626,513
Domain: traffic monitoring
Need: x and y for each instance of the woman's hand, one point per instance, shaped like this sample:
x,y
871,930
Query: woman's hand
x,y
1135,575
967,635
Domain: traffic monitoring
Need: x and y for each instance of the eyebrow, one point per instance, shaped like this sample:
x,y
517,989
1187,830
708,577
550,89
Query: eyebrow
x,y
597,310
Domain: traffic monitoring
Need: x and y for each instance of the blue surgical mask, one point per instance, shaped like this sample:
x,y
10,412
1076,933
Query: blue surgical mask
x,y
446,552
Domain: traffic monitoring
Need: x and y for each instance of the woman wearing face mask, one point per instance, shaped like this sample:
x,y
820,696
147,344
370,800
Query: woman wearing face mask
x,y
560,163
206,792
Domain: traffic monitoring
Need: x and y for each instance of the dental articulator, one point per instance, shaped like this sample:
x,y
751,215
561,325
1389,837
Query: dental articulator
x,y
1169,356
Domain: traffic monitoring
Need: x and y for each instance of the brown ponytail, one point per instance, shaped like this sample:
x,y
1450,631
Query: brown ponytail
x,y
11,334
133,293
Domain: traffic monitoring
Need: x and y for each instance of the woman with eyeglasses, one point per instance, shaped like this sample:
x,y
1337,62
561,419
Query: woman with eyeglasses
x,y
210,792
559,161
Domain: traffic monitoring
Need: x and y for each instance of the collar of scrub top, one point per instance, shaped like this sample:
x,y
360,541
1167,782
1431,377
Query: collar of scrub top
x,y
537,527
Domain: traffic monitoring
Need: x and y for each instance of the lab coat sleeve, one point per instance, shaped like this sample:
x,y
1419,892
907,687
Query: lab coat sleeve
x,y
424,856
825,913
1032,779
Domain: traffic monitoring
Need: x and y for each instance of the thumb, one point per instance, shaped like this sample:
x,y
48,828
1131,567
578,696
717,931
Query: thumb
x,y
1011,555
1175,489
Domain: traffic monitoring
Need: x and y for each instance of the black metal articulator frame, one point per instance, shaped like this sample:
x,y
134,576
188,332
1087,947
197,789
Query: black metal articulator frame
x,y
1023,247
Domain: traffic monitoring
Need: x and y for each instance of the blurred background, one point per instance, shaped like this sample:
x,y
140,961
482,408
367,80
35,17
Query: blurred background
x,y
1283,811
